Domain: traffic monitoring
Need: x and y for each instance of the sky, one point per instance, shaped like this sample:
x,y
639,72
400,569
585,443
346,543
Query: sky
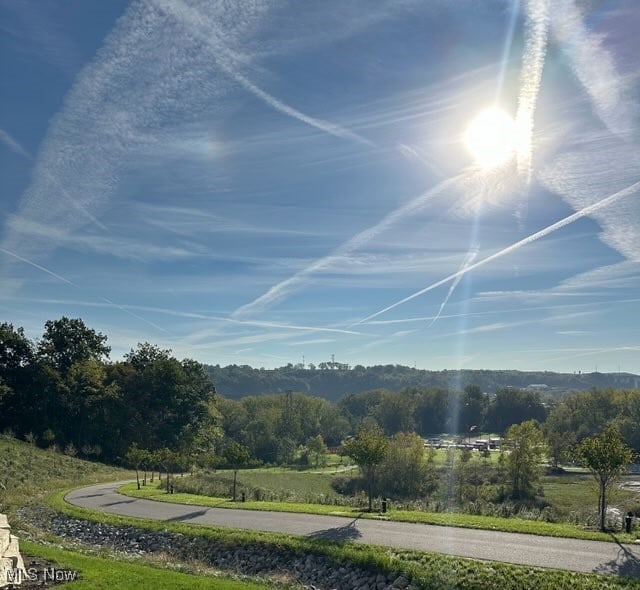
x,y
270,182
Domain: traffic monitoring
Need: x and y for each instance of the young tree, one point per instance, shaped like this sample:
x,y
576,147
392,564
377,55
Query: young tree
x,y
525,445
368,451
135,457
607,457
407,471
236,456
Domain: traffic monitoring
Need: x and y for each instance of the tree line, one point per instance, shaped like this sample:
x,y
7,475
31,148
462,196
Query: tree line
x,y
333,380
63,390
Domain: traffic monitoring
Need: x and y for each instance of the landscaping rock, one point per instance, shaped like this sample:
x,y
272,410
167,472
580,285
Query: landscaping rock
x,y
309,571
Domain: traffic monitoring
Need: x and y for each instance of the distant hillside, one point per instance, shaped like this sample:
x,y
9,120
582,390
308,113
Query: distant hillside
x,y
236,381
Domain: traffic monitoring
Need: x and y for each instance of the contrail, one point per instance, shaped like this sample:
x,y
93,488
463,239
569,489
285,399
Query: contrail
x,y
279,291
468,259
42,268
13,145
537,34
225,58
525,241
134,315
68,282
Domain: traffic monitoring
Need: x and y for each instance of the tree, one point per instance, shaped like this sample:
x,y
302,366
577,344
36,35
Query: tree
x,y
607,457
525,446
67,341
135,458
318,448
432,411
236,456
368,450
513,406
407,471
473,405
559,436
146,354
395,413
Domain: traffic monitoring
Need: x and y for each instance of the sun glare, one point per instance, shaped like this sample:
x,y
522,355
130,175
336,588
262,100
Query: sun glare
x,y
491,138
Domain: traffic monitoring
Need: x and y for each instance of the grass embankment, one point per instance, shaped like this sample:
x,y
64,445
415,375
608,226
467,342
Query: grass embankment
x,y
510,525
97,573
426,570
28,473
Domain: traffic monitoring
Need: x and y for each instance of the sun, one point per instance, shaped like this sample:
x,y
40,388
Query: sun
x,y
491,138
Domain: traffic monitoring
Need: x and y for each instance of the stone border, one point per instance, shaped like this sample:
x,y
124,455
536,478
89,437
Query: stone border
x,y
12,571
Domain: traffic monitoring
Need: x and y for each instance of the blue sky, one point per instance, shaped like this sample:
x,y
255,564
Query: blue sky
x,y
258,182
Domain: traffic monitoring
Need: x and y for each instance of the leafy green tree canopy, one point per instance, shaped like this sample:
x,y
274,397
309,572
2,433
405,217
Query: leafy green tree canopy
x,y
526,450
67,341
368,450
607,457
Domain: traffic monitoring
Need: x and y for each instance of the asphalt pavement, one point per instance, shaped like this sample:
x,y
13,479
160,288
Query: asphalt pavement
x,y
531,550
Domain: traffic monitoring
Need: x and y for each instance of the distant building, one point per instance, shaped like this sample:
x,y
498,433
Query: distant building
x,y
537,386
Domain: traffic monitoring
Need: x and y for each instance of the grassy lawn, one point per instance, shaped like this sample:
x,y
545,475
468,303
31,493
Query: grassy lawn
x,y
108,574
512,525
578,492
302,482
427,570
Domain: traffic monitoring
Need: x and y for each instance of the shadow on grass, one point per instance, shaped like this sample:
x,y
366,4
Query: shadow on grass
x,y
348,532
187,516
626,563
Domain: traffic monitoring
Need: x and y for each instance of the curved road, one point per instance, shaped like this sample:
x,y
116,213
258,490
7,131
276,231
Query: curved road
x,y
558,553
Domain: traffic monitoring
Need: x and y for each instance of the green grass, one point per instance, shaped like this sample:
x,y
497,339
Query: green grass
x,y
97,573
426,570
511,525
281,481
571,492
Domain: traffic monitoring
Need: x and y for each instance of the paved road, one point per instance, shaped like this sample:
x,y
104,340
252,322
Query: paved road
x,y
567,554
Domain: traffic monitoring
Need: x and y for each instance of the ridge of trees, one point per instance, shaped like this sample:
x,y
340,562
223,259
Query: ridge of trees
x,y
63,390
334,380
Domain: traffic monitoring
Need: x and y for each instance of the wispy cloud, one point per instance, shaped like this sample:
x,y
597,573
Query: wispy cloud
x,y
209,32
112,245
497,326
311,342
595,67
199,316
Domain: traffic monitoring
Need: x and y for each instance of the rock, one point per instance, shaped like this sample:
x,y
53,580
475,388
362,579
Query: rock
x,y
400,582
